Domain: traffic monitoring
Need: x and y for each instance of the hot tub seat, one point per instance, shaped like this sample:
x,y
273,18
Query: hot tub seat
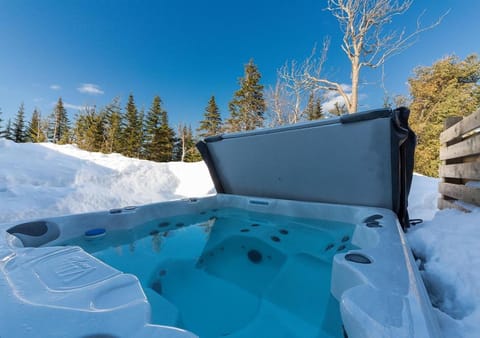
x,y
55,289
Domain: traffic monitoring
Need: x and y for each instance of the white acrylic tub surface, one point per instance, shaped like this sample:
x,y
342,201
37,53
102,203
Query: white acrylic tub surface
x,y
54,291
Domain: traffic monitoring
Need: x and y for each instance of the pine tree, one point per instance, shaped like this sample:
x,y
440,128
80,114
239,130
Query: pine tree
x,y
19,125
34,130
310,106
192,154
96,132
80,129
59,125
177,146
314,110
153,131
1,120
141,121
132,130
89,132
318,110
247,107
3,132
8,133
166,139
212,122
113,127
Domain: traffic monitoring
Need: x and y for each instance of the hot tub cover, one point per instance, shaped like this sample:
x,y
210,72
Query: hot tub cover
x,y
361,159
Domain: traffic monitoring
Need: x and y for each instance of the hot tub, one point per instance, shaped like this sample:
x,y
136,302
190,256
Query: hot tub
x,y
221,266
302,239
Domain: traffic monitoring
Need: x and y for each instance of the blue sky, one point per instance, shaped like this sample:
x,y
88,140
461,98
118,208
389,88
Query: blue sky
x,y
90,51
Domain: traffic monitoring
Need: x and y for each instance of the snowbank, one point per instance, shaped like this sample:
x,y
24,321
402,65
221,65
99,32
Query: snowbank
x,y
447,245
39,180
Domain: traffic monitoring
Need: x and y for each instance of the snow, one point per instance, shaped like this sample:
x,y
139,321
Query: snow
x,y
38,180
473,184
447,244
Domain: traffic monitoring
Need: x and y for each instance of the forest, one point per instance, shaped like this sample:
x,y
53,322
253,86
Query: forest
x,y
450,87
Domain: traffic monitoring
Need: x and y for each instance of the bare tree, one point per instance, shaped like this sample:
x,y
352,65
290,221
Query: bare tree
x,y
296,85
182,135
289,98
286,101
278,106
366,42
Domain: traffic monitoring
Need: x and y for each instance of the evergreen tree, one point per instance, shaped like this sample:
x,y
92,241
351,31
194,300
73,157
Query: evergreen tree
x,y
80,129
141,120
19,125
318,110
1,120
132,130
2,131
97,130
192,154
89,130
153,131
59,124
34,130
8,134
177,146
314,110
310,106
113,127
212,122
166,139
448,88
247,107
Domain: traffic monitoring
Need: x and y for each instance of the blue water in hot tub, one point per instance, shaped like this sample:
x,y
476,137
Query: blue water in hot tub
x,y
233,273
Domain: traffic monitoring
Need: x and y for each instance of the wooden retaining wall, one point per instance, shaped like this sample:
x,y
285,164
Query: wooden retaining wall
x,y
460,167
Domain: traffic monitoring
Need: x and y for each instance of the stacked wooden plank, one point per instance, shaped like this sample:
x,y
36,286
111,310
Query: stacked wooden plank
x,y
460,167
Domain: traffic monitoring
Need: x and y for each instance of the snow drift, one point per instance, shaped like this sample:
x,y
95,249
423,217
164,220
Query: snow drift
x,y
38,180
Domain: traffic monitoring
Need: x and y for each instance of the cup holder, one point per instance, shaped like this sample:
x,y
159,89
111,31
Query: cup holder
x,y
35,234
372,218
373,224
358,258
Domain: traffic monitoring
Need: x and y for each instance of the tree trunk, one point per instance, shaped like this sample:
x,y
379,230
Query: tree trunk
x,y
183,147
353,106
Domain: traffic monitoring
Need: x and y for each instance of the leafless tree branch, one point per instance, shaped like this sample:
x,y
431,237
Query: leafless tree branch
x,y
366,42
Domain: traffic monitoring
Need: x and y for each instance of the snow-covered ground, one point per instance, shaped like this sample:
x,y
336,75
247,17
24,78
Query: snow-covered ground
x,y
448,243
38,180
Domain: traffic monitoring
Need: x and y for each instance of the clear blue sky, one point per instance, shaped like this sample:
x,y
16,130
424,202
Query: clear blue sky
x,y
186,51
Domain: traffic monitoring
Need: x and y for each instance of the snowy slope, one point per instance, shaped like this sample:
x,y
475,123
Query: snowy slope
x,y
39,180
